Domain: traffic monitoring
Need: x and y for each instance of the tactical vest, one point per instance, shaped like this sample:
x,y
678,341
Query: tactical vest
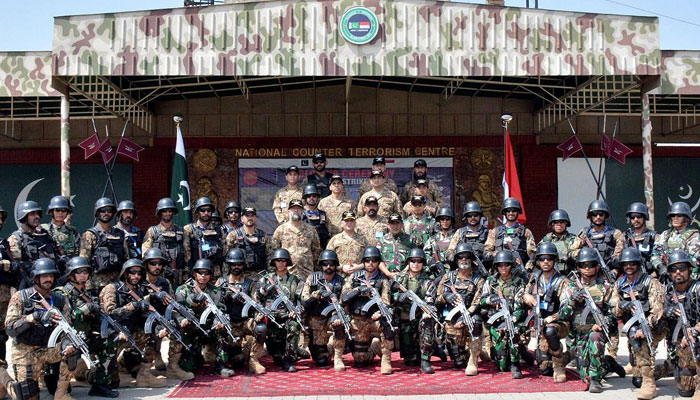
x,y
136,320
208,242
518,240
81,322
441,244
679,241
603,241
320,224
466,289
597,291
36,245
317,280
171,243
357,302
549,298
65,240
641,291
643,243
321,182
134,240
234,308
164,286
38,334
108,254
254,249
562,244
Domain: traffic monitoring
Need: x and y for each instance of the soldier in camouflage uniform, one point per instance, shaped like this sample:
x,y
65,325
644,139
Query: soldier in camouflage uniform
x,y
680,236
550,284
87,320
300,239
335,204
378,164
431,207
511,236
394,247
282,342
364,326
505,284
203,239
251,240
321,178
416,337
169,238
568,245
372,226
436,247
284,196
66,236
348,245
419,225
316,296
388,201
639,236
105,246
463,284
608,240
420,171
31,324
313,216
192,294
126,214
232,217
473,233
650,293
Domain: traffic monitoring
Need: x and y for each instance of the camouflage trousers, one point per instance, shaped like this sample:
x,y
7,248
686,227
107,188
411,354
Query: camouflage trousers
x,y
640,349
218,341
416,338
239,351
506,354
543,353
6,292
320,331
105,351
363,330
687,379
458,339
282,343
145,341
590,351
28,362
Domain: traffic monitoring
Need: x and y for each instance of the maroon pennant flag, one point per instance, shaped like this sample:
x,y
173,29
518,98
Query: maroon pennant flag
x,y
605,145
91,145
128,148
107,151
570,147
618,151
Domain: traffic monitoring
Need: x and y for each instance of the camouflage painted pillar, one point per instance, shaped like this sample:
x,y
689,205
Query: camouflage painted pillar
x,y
65,146
647,160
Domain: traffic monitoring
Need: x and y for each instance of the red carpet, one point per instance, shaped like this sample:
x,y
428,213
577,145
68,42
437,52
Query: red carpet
x,y
310,380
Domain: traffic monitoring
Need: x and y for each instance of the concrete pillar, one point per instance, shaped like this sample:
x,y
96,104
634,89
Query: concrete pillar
x,y
647,161
65,146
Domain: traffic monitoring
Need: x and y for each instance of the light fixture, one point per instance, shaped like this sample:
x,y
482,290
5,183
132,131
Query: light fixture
x,y
670,144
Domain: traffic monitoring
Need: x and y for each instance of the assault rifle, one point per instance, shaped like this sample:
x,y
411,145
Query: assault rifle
x,y
684,325
249,302
376,299
417,302
505,313
603,266
460,308
339,312
536,312
219,316
282,299
638,317
592,309
173,304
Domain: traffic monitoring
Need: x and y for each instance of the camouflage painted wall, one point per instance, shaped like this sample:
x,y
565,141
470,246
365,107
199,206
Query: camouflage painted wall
x,y
680,72
26,74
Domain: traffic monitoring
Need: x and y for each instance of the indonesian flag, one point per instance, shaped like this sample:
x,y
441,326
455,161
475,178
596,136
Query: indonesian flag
x,y
511,183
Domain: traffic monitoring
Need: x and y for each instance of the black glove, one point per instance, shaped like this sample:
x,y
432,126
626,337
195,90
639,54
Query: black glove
x,y
494,299
403,298
161,295
364,290
15,266
42,316
141,306
670,311
578,296
94,308
625,305
450,297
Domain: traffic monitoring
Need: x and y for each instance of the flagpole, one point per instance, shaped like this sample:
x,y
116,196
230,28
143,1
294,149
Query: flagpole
x,y
600,161
108,171
505,118
607,158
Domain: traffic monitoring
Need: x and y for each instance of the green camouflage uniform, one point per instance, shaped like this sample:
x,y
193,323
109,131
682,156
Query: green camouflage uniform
x,y
395,250
436,248
420,229
687,380
568,246
67,237
672,239
419,334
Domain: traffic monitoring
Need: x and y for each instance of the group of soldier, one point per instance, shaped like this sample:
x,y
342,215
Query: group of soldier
x,y
335,277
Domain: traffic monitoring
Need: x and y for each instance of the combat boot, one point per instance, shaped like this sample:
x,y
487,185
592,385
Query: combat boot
x,y
62,391
648,389
515,372
595,387
628,367
425,367
386,362
614,366
558,367
102,391
159,363
254,365
473,364
145,379
173,370
636,377
338,364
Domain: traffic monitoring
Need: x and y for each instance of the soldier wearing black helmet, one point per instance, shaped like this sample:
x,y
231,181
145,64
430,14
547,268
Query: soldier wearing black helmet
x,y
126,214
511,236
30,242
568,245
436,248
420,171
680,236
369,324
316,296
65,235
285,195
608,240
232,217
378,164
473,233
313,216
335,204
251,240
169,238
638,235
204,239
550,284
320,178
104,245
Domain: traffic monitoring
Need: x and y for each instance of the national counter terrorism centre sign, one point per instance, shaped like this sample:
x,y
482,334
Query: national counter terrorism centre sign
x,y
359,25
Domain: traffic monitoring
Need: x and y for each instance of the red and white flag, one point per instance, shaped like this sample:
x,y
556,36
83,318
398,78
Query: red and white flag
x,y
511,183
107,151
128,148
91,145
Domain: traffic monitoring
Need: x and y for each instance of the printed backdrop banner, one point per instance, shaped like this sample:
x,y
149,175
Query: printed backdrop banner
x,y
260,178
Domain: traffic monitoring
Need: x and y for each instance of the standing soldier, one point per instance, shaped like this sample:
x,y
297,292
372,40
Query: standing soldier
x,y
608,240
232,216
321,178
568,245
378,164
421,189
511,236
251,240
126,214
104,245
30,242
369,324
419,225
387,200
282,342
372,226
169,238
473,233
420,171
463,285
318,293
30,324
313,216
505,285
394,247
648,291
284,196
300,239
548,286
204,239
336,204
9,279
66,236
416,337
680,236
348,245
639,236
436,247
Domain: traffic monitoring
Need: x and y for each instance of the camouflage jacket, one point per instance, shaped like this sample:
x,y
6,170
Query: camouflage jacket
x,y
420,229
372,229
349,248
266,294
303,245
431,208
568,246
551,292
649,291
687,239
234,304
66,236
512,290
469,288
409,190
572,311
281,202
388,203
436,247
421,285
395,250
367,187
315,285
352,298
83,319
334,210
186,295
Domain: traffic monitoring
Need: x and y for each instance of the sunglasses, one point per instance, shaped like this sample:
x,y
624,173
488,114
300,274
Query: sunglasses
x,y
675,268
136,272
156,263
629,264
416,260
472,215
202,272
206,210
546,258
676,216
598,214
587,265
326,263
636,216
105,211
463,257
372,259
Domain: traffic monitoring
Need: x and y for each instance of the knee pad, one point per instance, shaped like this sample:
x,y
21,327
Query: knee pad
x,y
388,333
361,347
318,351
26,390
260,332
551,334
541,356
636,344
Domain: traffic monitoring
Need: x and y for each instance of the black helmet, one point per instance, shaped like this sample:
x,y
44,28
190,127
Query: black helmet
x,y
416,253
309,190
638,208
232,205
125,205
58,202
504,257
27,207
680,207
473,207
371,252
235,256
679,257
203,263
166,203
201,202
547,248
132,262
511,202
630,254
445,212
104,202
280,254
216,216
3,214
597,205
587,254
329,255
559,215
43,266
76,263
153,253
464,248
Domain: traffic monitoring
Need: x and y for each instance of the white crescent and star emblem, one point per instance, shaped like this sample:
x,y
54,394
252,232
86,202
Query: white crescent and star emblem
x,y
183,196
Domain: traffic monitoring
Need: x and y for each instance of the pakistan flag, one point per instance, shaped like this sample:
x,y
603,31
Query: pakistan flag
x,y
180,187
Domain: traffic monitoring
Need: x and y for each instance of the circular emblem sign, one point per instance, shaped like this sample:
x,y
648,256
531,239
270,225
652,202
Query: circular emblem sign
x,y
359,25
